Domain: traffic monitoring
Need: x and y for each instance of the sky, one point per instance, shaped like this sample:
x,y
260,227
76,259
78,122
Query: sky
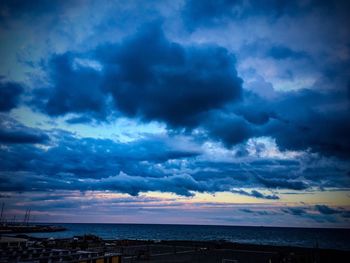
x,y
225,112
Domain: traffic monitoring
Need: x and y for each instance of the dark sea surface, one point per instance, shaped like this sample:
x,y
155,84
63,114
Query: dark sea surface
x,y
304,237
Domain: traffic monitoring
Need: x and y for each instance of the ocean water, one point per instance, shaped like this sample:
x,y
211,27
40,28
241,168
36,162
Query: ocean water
x,y
304,237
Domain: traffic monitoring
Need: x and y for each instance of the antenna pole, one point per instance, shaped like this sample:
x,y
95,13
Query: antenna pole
x,y
2,211
28,216
25,217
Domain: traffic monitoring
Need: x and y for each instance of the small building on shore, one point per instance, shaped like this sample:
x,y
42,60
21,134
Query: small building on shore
x,y
12,242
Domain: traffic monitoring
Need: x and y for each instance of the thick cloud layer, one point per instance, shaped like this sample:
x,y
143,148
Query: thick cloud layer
x,y
66,162
318,213
12,132
76,88
148,77
161,80
256,194
298,120
237,96
305,123
9,95
209,13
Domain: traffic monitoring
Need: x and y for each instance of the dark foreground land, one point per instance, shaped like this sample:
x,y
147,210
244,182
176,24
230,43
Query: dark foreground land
x,y
24,228
93,249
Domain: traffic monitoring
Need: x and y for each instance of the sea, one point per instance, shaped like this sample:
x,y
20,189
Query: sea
x,y
302,237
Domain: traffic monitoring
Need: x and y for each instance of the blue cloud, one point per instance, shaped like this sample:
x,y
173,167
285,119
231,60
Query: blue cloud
x,y
231,130
297,211
325,213
282,183
22,137
302,127
79,120
210,13
207,12
256,194
12,132
326,210
75,89
258,212
283,52
9,95
289,86
309,126
149,164
17,9
148,76
156,79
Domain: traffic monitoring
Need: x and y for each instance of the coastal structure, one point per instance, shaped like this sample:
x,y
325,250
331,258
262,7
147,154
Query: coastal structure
x,y
20,228
11,227
21,250
12,242
92,249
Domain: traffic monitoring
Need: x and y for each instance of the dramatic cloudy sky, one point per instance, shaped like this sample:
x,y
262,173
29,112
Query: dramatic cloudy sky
x,y
232,112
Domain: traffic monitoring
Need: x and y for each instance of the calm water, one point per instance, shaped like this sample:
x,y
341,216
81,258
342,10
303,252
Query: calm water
x,y
307,237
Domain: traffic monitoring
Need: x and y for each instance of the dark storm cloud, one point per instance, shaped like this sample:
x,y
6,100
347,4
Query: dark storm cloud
x,y
133,185
229,129
157,79
304,212
22,137
12,132
20,7
78,120
256,194
89,158
324,213
282,183
305,122
258,212
17,9
299,120
283,52
209,13
297,211
150,164
76,88
9,95
148,76
99,164
326,210
94,164
123,183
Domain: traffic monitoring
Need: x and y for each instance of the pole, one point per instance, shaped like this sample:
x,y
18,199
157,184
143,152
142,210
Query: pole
x,y
2,211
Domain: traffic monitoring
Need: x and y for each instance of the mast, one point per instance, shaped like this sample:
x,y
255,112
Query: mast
x,y
28,216
2,211
25,217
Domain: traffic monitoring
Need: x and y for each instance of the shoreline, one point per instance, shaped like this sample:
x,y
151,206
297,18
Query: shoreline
x,y
132,250
309,238
195,225
30,228
193,243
